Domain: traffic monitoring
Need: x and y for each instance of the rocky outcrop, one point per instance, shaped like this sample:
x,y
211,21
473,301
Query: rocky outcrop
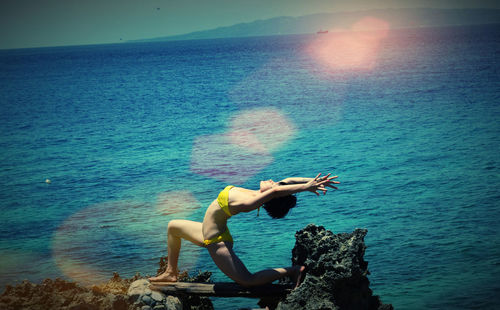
x,y
145,299
116,294
335,272
61,294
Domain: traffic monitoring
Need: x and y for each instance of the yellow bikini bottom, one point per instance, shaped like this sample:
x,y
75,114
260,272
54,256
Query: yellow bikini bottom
x,y
225,236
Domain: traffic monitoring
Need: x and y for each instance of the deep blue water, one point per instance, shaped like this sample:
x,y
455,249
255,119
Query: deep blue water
x,y
136,134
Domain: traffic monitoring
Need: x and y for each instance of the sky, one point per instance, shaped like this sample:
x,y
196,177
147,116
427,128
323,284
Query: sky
x,y
40,23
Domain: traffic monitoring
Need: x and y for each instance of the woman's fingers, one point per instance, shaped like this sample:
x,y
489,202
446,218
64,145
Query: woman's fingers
x,y
323,189
326,177
334,182
329,183
323,182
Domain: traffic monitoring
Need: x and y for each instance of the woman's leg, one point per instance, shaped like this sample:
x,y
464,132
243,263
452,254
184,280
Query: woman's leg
x,y
228,262
177,230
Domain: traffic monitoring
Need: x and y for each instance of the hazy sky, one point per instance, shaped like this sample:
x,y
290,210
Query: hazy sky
x,y
34,23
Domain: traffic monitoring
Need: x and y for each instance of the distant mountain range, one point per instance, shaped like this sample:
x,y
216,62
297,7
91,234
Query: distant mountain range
x,y
397,18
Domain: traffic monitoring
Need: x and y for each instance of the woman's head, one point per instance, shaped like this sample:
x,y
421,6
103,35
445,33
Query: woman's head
x,y
278,207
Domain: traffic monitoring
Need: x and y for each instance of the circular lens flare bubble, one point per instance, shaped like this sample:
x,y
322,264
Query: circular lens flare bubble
x,y
85,245
235,156
217,157
262,130
118,237
350,49
179,203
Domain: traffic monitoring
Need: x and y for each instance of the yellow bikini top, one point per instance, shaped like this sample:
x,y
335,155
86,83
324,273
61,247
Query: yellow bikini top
x,y
223,199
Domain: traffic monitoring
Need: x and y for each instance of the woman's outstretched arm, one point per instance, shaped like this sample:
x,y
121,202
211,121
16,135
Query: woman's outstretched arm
x,y
300,180
306,184
296,180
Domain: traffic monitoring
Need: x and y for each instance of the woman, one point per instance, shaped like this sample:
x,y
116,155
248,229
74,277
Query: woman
x,y
214,235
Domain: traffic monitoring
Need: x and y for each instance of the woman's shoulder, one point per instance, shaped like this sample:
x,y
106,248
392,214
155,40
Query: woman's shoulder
x,y
238,196
242,190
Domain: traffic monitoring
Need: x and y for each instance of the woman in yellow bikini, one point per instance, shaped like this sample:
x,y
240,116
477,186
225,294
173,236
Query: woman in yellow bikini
x,y
213,234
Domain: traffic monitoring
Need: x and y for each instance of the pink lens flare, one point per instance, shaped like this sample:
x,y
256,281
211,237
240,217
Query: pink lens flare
x,y
261,129
217,157
177,203
113,236
82,245
245,138
350,49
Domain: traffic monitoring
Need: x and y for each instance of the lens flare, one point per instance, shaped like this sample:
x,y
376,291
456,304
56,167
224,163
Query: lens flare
x,y
350,49
217,157
262,130
179,203
91,243
120,236
245,138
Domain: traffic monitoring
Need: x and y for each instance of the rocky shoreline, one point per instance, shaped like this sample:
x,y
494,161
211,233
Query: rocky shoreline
x,y
336,278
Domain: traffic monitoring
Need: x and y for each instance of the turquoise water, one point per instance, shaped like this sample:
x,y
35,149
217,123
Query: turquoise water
x,y
134,135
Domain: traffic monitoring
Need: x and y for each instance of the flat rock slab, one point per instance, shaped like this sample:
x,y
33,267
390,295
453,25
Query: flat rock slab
x,y
221,289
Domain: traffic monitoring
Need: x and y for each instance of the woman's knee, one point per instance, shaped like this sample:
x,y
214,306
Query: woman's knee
x,y
174,226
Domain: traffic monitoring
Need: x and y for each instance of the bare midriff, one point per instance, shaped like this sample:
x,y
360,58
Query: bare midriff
x,y
214,222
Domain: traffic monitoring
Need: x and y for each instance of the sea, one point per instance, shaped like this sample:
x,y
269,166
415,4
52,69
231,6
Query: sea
x,y
101,146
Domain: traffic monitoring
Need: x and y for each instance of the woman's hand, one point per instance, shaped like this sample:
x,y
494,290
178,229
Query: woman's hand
x,y
320,183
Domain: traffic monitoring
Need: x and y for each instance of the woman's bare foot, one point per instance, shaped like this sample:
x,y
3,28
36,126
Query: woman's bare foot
x,y
298,275
165,277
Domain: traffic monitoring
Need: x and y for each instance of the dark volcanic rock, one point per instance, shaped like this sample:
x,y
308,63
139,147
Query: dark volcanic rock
x,y
336,272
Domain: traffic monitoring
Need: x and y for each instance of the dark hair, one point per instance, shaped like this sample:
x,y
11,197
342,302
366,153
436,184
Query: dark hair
x,y
278,207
